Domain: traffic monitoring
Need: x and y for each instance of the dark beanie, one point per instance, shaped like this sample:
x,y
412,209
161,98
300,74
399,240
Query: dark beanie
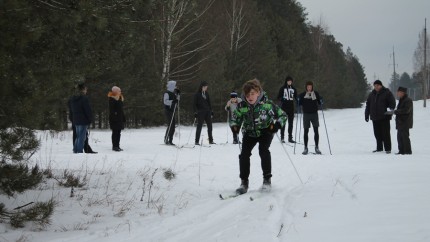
x,y
377,82
402,89
233,94
288,78
203,84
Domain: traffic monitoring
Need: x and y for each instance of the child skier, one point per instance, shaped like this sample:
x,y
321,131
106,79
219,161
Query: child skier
x,y
230,108
261,119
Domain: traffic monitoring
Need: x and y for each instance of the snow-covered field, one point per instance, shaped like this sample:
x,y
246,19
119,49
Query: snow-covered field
x,y
353,195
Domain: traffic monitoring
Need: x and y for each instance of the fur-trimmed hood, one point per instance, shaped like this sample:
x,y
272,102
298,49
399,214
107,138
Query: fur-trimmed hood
x,y
116,97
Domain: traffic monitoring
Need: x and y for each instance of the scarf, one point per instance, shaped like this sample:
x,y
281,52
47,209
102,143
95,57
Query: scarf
x,y
310,95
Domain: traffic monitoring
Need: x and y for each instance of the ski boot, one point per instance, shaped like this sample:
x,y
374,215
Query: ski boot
x,y
282,140
243,187
317,151
267,185
290,140
305,151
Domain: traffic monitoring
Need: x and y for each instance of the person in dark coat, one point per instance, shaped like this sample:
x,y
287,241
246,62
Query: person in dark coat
x,y
378,101
203,112
87,147
404,121
82,117
116,116
170,101
310,101
288,97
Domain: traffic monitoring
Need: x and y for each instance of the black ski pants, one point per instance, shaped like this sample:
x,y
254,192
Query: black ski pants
x,y
116,137
171,123
404,142
248,144
381,129
290,126
204,116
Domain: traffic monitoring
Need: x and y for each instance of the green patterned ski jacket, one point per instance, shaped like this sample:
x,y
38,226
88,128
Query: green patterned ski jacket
x,y
256,118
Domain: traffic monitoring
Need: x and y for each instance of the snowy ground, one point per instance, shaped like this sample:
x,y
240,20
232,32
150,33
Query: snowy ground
x,y
352,195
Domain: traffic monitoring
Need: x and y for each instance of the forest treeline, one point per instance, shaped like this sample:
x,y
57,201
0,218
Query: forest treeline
x,y
48,46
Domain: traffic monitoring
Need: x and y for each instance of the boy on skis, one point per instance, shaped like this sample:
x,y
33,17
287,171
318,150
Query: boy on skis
x,y
230,108
261,119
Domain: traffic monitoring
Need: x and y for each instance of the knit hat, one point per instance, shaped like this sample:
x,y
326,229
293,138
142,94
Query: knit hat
x,y
116,89
233,94
402,89
203,84
377,82
288,78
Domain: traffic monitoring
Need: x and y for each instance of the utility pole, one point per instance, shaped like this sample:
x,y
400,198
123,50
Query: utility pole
x,y
394,82
425,82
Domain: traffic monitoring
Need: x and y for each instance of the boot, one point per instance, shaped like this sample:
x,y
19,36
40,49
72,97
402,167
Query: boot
x,y
305,151
290,139
243,187
267,184
317,151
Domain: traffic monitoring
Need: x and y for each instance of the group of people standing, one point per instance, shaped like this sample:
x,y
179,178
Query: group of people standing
x,y
378,101
258,117
81,116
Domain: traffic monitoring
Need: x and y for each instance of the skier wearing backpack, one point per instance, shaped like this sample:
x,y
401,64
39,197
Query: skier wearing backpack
x,y
260,119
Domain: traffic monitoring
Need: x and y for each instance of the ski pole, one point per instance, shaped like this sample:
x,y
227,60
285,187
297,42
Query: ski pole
x,y
191,132
328,140
179,125
300,125
288,155
228,126
170,125
297,122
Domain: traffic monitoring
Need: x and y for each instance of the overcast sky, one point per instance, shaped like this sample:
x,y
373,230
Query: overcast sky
x,y
372,28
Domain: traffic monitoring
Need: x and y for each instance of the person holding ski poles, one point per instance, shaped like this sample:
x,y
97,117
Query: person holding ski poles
x,y
230,107
287,95
309,101
260,119
171,98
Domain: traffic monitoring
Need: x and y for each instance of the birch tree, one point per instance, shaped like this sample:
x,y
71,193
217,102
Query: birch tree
x,y
180,41
238,28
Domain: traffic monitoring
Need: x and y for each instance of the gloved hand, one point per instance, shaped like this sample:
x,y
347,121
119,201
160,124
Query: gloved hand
x,y
195,115
391,112
321,101
235,129
212,114
175,101
366,118
274,127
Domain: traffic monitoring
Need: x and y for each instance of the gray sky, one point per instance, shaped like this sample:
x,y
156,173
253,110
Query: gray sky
x,y
372,27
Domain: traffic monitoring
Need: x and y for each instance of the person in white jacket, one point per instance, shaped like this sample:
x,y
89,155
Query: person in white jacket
x,y
170,99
